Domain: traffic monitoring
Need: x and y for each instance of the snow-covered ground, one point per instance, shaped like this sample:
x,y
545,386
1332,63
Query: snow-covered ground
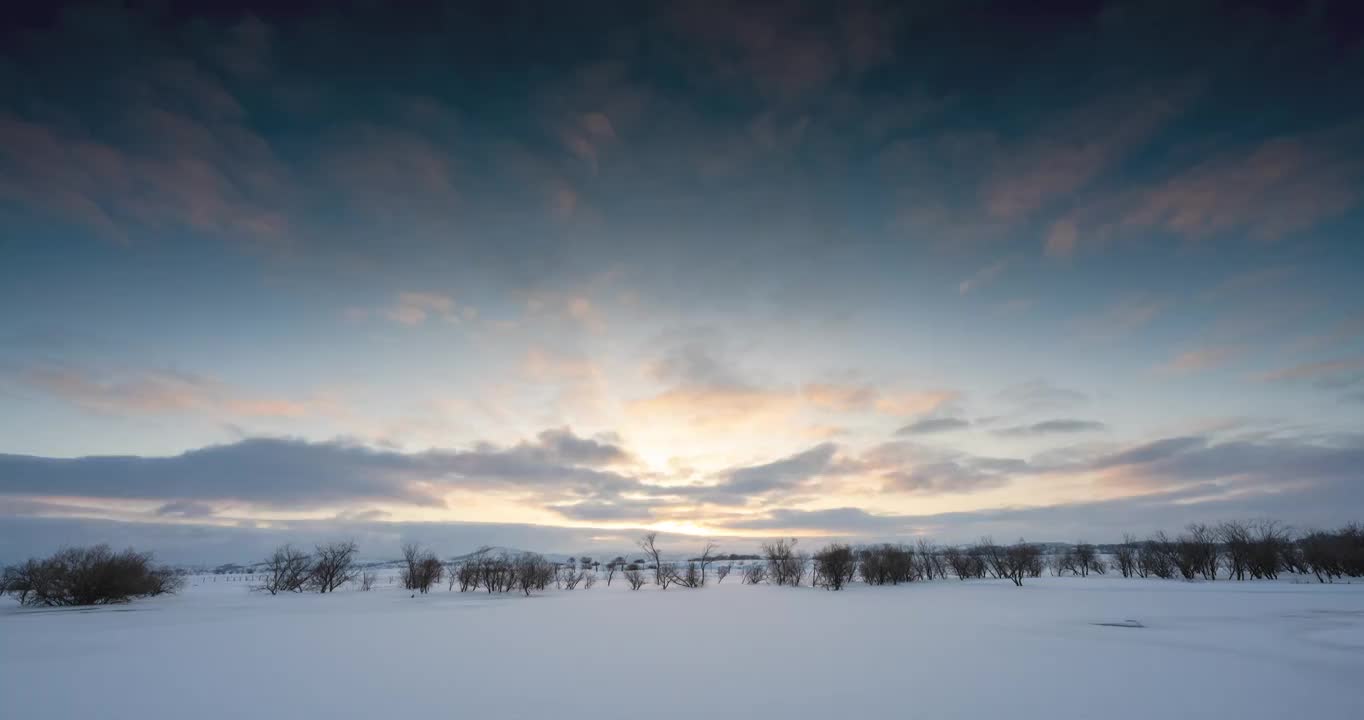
x,y
1056,648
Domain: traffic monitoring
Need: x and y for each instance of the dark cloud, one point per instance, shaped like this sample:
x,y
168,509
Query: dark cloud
x,y
1150,452
783,474
933,425
1053,427
1313,506
296,473
185,509
1246,462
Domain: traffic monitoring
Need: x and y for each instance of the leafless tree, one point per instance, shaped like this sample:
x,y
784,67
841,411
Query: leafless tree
x,y
1125,555
611,569
635,577
1085,555
422,568
929,560
887,564
333,566
532,572
589,579
1195,553
1269,544
722,572
1020,560
287,570
569,577
835,566
88,576
707,557
964,565
367,579
1155,557
688,575
784,565
649,544
1333,555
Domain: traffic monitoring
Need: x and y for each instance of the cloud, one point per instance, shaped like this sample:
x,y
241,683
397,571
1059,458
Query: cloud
x,y
982,277
946,478
780,474
1123,318
850,520
1286,184
1266,463
1275,187
1041,395
1075,148
564,446
1308,371
708,392
842,398
186,509
933,425
413,308
1053,427
917,403
923,470
1150,452
287,473
149,392
1194,361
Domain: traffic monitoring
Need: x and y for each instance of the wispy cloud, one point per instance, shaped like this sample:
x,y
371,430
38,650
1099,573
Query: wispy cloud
x,y
1060,426
982,277
1200,359
931,425
168,392
1123,318
1308,371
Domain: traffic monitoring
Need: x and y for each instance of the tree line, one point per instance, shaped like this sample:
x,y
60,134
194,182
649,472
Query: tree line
x,y
1261,549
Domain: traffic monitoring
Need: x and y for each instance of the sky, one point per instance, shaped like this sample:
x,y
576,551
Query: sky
x,y
548,275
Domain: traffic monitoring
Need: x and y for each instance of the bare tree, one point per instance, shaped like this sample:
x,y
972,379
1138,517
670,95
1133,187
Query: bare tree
x,y
722,572
784,565
1020,560
1155,557
569,577
611,569
423,569
367,579
1126,556
88,576
886,564
649,544
835,566
1085,555
635,577
707,557
929,559
333,566
754,573
689,576
532,572
287,570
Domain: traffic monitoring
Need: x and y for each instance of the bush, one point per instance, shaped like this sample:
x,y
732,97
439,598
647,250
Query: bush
x,y
88,576
835,566
887,564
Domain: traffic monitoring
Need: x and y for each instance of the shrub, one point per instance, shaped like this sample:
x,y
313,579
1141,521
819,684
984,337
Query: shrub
x,y
88,576
835,566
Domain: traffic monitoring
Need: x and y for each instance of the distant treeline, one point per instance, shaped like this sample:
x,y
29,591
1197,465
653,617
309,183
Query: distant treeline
x,y
1261,549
